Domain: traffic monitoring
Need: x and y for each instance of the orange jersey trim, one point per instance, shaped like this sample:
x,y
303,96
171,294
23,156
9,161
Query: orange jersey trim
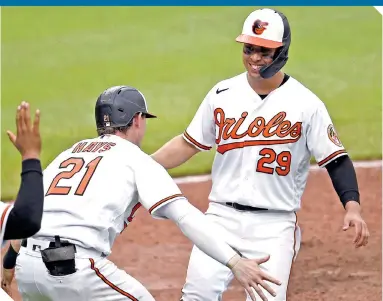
x,y
333,155
131,216
195,142
3,215
110,284
163,201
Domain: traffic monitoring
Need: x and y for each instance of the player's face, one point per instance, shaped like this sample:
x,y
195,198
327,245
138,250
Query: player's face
x,y
256,57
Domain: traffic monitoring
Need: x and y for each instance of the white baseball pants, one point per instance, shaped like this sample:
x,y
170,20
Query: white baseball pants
x,y
96,279
254,234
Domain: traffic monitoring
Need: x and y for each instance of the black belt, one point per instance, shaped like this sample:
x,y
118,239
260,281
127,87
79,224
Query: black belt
x,y
24,243
244,207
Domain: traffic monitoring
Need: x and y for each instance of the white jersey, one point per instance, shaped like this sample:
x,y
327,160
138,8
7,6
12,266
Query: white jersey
x,y
93,190
5,209
263,147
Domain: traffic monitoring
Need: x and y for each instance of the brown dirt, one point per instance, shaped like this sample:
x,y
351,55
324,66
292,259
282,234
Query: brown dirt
x,y
328,267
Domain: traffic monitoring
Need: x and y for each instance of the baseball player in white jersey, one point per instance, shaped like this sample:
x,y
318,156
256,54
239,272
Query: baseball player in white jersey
x,y
92,192
265,126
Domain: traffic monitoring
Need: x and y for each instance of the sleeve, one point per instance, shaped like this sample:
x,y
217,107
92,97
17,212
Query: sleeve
x,y
201,130
25,218
201,231
155,186
322,139
5,209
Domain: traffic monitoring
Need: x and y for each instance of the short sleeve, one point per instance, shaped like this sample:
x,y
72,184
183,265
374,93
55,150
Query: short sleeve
x,y
201,130
155,186
322,139
5,209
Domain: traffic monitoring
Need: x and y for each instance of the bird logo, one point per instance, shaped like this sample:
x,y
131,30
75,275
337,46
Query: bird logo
x,y
259,27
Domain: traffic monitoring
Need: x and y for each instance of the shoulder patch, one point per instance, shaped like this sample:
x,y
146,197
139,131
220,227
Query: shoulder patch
x,y
333,136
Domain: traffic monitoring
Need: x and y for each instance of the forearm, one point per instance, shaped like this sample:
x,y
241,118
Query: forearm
x,y
25,218
9,260
174,153
343,177
194,224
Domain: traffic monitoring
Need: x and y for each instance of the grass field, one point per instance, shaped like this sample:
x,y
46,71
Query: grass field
x,y
61,58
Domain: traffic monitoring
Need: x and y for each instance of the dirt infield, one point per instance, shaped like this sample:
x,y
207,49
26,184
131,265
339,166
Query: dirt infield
x,y
328,267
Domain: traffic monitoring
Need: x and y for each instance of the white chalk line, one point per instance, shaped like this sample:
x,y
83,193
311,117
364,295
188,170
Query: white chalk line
x,y
207,177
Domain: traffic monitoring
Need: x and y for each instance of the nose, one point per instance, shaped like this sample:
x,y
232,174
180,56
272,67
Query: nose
x,y
256,56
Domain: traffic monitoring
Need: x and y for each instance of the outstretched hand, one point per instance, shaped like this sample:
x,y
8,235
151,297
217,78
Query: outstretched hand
x,y
27,139
251,276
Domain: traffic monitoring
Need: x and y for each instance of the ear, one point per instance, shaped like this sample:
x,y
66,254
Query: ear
x,y
137,119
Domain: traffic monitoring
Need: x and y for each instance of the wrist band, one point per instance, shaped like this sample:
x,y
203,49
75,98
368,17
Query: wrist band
x,y
9,260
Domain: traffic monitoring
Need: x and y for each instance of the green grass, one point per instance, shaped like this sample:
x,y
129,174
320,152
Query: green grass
x,y
61,58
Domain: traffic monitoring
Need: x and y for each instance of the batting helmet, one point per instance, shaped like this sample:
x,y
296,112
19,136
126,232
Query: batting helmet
x,y
117,106
268,28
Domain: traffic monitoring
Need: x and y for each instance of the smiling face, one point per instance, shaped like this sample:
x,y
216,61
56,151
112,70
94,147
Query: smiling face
x,y
256,57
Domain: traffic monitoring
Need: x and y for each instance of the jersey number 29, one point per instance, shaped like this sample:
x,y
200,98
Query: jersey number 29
x,y
77,166
269,156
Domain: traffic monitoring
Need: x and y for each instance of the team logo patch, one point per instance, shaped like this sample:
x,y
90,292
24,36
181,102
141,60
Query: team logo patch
x,y
259,27
333,136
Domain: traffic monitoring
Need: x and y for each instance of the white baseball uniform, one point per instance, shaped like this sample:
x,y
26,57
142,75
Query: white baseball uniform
x,y
92,192
91,195
263,151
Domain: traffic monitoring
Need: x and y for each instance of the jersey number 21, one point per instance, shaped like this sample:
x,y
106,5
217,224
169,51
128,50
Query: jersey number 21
x,y
78,164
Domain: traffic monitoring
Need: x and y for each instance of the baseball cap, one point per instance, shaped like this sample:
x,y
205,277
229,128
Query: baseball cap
x,y
117,106
264,27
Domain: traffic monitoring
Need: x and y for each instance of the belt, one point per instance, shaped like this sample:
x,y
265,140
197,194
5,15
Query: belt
x,y
51,244
37,245
244,207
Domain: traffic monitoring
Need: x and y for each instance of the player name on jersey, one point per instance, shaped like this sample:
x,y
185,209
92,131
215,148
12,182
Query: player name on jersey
x,y
87,147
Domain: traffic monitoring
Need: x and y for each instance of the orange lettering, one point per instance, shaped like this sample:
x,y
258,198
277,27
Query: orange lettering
x,y
276,126
107,147
79,147
259,123
233,133
219,122
90,147
276,120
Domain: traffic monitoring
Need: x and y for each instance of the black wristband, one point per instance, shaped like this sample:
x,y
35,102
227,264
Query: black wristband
x,y
29,165
9,260
351,195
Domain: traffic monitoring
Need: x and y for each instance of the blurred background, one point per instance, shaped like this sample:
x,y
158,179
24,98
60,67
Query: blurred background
x,y
61,58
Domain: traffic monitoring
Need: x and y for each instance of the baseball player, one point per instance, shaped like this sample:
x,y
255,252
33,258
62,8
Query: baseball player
x,y
92,192
265,126
22,219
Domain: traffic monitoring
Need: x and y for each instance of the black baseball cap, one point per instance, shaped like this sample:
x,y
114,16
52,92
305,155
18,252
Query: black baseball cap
x,y
117,106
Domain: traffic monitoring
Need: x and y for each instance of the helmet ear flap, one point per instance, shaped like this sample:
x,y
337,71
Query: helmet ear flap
x,y
280,59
